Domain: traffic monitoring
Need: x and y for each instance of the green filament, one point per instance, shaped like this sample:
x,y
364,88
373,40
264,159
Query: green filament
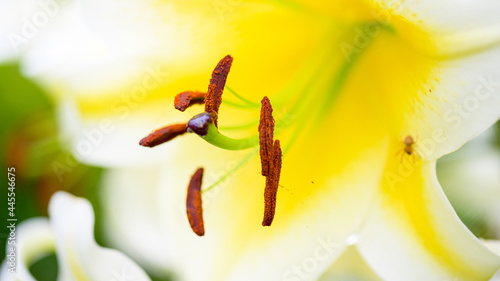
x,y
243,99
231,171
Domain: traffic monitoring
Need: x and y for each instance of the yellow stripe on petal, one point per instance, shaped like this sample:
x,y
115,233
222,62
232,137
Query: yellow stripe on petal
x,y
415,221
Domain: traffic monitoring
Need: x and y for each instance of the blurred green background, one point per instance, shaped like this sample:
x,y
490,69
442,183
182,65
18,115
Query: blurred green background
x,y
29,143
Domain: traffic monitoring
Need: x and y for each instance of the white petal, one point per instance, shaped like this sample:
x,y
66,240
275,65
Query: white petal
x,y
34,240
17,29
406,239
72,57
455,26
460,100
78,254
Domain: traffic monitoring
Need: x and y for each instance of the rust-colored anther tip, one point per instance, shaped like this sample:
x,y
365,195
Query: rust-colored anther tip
x,y
185,99
194,208
272,184
213,98
266,134
163,135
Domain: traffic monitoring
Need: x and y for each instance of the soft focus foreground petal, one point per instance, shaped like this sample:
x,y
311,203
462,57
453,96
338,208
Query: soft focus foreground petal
x,y
34,240
454,27
460,99
78,254
414,233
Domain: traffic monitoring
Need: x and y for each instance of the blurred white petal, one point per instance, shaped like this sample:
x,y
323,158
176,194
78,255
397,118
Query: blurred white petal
x,y
34,240
70,233
79,256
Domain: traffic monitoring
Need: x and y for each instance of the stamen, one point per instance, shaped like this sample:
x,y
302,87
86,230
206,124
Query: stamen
x,y
272,184
213,98
193,203
270,157
163,135
266,134
186,99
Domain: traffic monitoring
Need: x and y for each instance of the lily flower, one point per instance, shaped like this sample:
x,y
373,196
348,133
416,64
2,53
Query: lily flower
x,y
68,233
367,95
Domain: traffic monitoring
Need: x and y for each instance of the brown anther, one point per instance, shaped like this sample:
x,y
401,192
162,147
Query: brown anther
x,y
213,98
272,184
266,134
163,135
186,99
194,208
